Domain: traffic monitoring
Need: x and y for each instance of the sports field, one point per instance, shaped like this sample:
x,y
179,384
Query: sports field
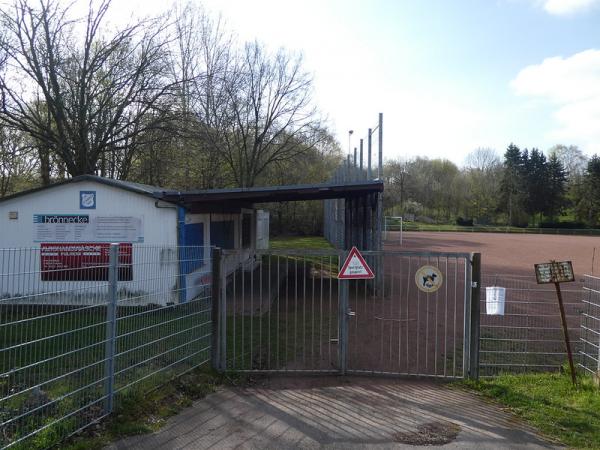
x,y
513,254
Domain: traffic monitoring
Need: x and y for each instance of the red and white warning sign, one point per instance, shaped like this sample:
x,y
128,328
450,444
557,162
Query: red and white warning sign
x,y
355,267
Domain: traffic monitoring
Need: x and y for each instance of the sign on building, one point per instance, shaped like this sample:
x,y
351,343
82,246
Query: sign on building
x,y
86,228
82,261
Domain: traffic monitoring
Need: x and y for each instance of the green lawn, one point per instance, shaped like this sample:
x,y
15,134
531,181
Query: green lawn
x,y
308,242
549,402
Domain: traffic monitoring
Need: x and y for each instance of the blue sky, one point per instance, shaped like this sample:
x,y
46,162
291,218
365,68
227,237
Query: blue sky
x,y
449,75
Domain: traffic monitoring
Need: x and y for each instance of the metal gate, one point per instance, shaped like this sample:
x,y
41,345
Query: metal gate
x,y
286,311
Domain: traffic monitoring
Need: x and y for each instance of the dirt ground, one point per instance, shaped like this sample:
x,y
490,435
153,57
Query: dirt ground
x,y
507,253
341,413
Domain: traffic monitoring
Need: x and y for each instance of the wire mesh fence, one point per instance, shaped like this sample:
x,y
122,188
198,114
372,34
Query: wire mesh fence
x,y
590,326
80,327
527,335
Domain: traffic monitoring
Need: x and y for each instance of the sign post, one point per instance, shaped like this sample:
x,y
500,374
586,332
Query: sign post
x,y
559,272
354,268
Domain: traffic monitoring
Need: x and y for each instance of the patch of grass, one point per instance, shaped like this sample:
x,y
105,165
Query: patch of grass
x,y
548,401
140,412
329,264
312,242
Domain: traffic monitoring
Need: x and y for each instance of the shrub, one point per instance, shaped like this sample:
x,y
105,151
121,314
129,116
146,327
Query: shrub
x,y
464,222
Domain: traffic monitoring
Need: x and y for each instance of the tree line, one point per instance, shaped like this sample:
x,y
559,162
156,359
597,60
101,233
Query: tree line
x,y
174,100
526,187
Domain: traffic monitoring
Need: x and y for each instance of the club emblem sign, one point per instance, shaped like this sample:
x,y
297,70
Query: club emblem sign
x,y
429,278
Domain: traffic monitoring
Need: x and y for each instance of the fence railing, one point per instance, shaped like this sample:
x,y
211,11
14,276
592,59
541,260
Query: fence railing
x,y
528,336
412,226
590,326
81,327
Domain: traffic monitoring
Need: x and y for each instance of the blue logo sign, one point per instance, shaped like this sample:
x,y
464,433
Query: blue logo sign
x,y
87,199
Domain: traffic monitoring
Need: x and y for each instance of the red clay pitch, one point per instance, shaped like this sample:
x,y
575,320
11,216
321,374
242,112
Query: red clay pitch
x,y
506,252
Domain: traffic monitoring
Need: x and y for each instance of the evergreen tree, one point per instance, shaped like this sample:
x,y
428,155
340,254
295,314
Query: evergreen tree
x,y
511,186
556,188
592,197
535,177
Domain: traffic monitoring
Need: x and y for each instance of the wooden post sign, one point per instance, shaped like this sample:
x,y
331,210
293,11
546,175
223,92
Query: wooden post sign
x,y
558,272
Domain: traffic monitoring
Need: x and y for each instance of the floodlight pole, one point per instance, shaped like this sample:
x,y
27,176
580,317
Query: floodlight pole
x,y
563,319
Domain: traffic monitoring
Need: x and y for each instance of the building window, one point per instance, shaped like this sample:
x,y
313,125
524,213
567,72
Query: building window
x,y
246,230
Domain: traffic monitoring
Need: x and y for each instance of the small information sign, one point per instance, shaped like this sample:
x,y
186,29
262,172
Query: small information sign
x,y
554,272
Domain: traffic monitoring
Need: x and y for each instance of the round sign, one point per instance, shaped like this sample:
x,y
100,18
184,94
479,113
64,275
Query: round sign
x,y
429,278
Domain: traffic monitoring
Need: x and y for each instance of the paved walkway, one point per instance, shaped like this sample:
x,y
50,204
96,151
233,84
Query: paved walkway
x,y
340,413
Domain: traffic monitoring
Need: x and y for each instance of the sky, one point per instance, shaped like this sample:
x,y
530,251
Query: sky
x,y
448,76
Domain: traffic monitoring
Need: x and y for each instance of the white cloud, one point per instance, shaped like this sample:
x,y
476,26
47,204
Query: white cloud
x,y
567,7
571,87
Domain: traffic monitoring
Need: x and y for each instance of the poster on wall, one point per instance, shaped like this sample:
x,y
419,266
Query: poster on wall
x,y
78,261
86,228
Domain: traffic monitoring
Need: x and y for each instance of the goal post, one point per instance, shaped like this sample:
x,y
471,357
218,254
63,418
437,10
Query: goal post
x,y
393,223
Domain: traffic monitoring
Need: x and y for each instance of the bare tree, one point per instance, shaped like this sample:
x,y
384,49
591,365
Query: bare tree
x,y
201,60
483,159
17,163
86,96
572,159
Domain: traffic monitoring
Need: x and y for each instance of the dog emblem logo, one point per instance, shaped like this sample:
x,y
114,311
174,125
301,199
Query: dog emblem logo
x,y
429,278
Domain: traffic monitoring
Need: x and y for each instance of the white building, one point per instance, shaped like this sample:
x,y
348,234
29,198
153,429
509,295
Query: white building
x,y
69,226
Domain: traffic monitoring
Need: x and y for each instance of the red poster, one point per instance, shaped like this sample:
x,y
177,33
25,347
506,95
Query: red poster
x,y
83,261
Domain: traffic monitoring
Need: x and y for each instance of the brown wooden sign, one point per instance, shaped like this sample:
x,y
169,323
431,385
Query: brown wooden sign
x,y
557,272
554,272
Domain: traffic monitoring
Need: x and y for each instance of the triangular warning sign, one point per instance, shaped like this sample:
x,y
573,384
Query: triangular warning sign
x,y
355,267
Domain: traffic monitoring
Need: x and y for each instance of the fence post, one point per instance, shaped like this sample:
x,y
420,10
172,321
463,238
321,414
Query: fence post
x,y
215,311
343,286
111,327
475,315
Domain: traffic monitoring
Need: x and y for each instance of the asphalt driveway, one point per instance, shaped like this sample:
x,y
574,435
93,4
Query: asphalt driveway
x,y
341,413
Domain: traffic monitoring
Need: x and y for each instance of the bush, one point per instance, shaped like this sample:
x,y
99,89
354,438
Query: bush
x,y
464,222
570,224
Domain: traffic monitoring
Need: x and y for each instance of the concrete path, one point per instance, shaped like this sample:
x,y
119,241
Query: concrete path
x,y
340,413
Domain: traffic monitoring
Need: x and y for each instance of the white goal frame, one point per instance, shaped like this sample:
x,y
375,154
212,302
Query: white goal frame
x,y
385,227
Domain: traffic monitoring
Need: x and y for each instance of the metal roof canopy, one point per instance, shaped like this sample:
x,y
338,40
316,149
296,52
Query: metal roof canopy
x,y
217,200
230,200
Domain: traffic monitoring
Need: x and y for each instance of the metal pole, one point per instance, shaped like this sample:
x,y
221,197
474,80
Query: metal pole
x,y
343,318
475,315
369,149
111,327
216,303
361,158
563,319
401,227
467,320
380,130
